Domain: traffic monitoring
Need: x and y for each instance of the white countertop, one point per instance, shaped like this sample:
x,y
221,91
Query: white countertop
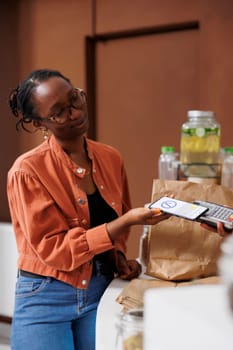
x,y
108,310
184,318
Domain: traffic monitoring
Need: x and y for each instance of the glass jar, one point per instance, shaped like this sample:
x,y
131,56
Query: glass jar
x,y
130,330
200,138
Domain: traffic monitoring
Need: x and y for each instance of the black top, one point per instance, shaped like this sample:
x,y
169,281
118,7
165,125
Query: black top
x,y
100,211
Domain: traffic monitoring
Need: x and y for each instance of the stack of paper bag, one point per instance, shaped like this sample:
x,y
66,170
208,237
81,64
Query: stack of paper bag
x,y
133,294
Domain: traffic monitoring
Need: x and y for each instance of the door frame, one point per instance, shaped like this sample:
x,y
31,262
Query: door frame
x,y
91,43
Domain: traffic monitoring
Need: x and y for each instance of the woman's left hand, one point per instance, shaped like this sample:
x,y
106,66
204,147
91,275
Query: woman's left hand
x,y
127,269
219,229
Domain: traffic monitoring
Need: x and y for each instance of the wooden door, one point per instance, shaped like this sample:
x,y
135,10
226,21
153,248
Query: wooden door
x,y
144,87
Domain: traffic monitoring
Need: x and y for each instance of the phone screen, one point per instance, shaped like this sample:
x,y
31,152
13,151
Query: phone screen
x,y
179,208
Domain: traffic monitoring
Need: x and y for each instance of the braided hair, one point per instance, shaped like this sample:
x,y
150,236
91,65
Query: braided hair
x,y
20,98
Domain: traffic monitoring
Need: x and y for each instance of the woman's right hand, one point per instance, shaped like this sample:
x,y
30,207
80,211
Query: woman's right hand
x,y
146,216
136,216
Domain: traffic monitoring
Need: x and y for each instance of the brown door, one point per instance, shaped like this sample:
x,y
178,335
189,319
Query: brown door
x,y
145,85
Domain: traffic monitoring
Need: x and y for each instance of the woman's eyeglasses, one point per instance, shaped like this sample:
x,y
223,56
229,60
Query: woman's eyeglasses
x,y
78,99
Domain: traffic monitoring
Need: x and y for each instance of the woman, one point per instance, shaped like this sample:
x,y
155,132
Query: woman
x,y
70,208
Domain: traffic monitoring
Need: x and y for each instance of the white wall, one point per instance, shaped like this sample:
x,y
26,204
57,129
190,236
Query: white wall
x,y
8,268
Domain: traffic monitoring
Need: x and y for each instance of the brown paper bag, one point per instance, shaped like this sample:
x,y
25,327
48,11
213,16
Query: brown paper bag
x,y
132,296
180,249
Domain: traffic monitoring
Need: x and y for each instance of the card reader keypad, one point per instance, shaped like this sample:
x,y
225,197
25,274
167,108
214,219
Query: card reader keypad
x,y
219,212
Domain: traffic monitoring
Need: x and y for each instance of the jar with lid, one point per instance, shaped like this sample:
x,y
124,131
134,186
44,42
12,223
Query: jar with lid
x,y
130,330
225,266
167,164
227,168
200,138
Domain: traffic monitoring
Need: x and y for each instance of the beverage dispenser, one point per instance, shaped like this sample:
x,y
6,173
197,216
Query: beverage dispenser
x,y
200,147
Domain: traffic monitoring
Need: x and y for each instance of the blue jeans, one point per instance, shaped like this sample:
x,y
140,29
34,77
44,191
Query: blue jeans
x,y
52,315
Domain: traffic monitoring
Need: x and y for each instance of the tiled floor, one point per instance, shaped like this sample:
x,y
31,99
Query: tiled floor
x,y
4,336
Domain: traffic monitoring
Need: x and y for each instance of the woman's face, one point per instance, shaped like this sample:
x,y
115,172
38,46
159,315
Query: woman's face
x,y
55,101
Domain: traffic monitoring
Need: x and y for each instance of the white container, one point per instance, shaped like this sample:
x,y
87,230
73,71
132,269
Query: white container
x,y
167,165
225,266
227,168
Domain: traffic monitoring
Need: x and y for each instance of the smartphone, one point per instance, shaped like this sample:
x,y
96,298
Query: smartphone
x,y
216,213
185,210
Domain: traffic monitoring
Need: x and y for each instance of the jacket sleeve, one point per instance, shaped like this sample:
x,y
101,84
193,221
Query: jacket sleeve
x,y
42,229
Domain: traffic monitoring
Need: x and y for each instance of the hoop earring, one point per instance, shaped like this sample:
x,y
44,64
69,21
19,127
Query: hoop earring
x,y
45,133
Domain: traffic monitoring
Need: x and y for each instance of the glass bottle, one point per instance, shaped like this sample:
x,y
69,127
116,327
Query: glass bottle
x,y
130,330
200,138
144,246
227,168
167,164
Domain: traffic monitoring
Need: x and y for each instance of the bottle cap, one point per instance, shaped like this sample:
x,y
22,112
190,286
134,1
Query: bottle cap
x,y
198,113
167,149
228,150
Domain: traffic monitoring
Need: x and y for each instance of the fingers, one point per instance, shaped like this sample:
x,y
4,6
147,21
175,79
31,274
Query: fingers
x,y
157,216
219,229
146,216
159,212
156,212
133,271
208,227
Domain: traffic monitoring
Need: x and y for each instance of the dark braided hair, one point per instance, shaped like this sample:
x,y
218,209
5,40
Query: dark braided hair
x,y
20,98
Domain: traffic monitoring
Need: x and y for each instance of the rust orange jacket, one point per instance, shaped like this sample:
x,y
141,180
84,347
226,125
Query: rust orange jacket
x,y
50,212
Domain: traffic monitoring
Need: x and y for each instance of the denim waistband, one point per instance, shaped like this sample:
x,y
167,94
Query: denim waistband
x,y
30,274
103,267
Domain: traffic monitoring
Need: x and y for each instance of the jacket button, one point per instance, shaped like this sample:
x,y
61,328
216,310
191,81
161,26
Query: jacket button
x,y
79,170
81,201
